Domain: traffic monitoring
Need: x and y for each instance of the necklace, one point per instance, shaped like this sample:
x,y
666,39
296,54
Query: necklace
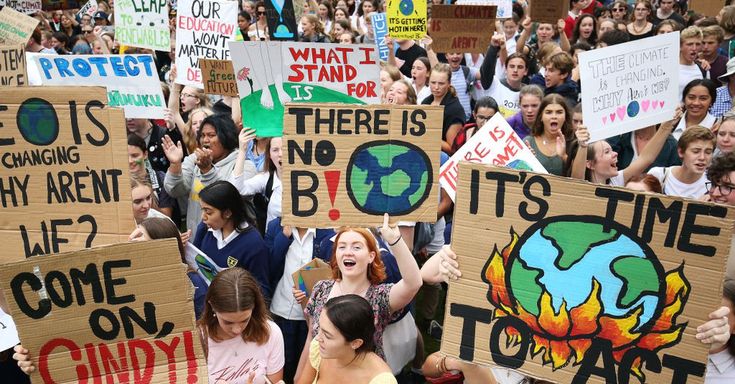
x,y
638,31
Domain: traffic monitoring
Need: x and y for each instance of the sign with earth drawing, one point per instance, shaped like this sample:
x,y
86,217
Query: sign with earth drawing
x,y
270,74
609,294
348,165
63,171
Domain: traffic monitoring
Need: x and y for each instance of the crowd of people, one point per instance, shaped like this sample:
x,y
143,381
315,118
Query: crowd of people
x,y
201,177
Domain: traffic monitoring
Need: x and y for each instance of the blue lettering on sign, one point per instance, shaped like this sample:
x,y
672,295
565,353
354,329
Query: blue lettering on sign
x,y
103,66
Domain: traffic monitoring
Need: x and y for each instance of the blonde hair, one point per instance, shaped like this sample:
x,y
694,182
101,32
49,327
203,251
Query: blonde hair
x,y
189,136
691,32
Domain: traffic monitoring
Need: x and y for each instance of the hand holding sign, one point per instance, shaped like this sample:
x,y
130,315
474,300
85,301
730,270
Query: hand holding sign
x,y
245,137
715,332
388,232
583,136
23,357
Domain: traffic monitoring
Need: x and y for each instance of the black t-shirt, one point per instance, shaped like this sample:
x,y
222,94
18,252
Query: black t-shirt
x,y
674,16
156,156
453,112
409,56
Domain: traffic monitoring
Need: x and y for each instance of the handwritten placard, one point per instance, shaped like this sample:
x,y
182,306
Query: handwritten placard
x,y
548,11
630,86
203,29
131,80
13,65
380,30
121,313
63,172
15,27
495,143
218,77
406,19
27,7
143,24
462,28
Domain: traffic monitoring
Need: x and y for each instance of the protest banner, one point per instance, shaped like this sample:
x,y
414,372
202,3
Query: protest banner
x,y
270,74
218,77
131,80
406,19
203,29
548,11
630,86
505,7
281,20
380,30
495,143
143,24
462,28
121,313
89,8
308,275
27,7
348,164
15,27
64,171
13,65
586,295
706,7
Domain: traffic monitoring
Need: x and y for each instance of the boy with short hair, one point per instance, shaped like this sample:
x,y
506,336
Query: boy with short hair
x,y
695,148
557,78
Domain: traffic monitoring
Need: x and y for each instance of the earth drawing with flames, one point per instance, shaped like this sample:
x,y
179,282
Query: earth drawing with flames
x,y
572,279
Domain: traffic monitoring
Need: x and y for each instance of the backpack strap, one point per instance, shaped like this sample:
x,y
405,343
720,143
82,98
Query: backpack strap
x,y
269,185
466,72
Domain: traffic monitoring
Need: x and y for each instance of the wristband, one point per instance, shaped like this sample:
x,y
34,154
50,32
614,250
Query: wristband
x,y
395,242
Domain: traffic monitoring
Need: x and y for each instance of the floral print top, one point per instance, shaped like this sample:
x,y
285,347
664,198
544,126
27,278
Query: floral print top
x,y
377,295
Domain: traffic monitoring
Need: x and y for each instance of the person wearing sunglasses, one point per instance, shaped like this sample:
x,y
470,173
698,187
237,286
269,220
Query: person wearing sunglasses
x,y
258,30
619,10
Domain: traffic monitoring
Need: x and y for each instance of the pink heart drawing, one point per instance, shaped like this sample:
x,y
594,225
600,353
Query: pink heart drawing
x,y
645,104
604,120
621,112
654,105
612,117
661,104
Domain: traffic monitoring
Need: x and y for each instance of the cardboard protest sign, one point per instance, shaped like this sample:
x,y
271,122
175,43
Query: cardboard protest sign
x,y
121,313
143,24
706,7
495,143
462,28
380,30
348,165
270,74
218,77
131,80
309,274
13,65
64,171
574,282
505,7
203,29
282,20
630,86
15,27
548,11
27,7
406,19
89,8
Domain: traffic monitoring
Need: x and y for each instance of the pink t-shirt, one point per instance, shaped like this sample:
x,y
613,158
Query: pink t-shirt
x,y
233,360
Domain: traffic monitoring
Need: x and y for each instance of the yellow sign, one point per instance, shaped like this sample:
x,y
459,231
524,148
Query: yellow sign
x,y
406,19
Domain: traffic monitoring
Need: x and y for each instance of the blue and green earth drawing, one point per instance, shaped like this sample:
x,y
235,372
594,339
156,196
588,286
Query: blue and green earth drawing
x,y
392,177
562,255
37,121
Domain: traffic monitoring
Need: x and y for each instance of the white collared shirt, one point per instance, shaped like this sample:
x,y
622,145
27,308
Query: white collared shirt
x,y
707,122
720,368
221,243
299,253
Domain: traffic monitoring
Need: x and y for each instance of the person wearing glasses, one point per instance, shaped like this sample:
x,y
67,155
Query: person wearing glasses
x,y
258,30
619,10
720,187
666,12
640,25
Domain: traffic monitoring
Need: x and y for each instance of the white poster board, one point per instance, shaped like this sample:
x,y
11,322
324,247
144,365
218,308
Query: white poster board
x,y
495,143
143,24
8,332
630,86
203,29
131,80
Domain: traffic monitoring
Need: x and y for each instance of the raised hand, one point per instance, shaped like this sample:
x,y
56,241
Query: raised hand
x,y
204,159
561,145
246,135
174,152
583,136
390,233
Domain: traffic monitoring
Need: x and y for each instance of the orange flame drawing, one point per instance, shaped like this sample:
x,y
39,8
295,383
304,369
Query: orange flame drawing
x,y
564,337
